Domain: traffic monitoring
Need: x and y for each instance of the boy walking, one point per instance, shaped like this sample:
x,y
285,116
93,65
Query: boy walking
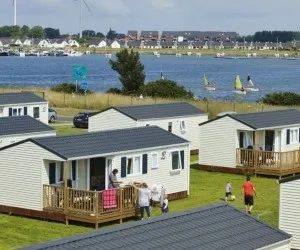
x,y
228,191
248,190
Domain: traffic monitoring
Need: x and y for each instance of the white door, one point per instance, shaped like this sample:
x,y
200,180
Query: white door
x,y
82,179
74,174
108,171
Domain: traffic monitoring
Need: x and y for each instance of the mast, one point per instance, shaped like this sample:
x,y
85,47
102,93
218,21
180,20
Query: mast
x,y
15,12
80,20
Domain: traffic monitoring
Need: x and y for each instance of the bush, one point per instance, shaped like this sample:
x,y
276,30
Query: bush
x,y
281,98
165,89
68,88
114,91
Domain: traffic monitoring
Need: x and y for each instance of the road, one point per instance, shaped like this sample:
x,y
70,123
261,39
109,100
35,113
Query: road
x,y
62,118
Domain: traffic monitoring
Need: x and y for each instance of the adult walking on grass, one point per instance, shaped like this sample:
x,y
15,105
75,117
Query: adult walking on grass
x,y
144,199
248,190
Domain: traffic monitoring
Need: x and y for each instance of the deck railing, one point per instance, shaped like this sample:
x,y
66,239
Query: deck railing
x,y
267,159
90,203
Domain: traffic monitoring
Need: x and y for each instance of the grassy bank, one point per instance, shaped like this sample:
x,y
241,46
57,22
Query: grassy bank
x,y
213,52
68,104
205,188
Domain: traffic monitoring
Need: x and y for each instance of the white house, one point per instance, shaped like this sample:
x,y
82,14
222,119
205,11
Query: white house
x,y
289,207
102,44
18,42
73,43
216,226
144,154
27,42
181,119
44,44
24,103
17,128
115,45
257,139
1,44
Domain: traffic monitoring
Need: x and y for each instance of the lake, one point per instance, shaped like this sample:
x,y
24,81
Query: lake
x,y
268,74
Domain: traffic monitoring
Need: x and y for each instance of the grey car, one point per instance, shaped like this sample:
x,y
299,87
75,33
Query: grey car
x,y
52,115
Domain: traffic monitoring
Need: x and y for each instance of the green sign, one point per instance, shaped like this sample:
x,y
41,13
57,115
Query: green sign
x,y
79,72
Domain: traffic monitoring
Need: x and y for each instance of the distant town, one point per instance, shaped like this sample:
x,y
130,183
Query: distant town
x,y
16,36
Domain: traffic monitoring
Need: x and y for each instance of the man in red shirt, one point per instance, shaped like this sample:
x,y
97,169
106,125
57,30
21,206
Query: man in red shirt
x,y
248,190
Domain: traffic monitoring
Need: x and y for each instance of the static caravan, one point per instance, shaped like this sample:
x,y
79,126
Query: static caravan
x,y
181,119
68,175
217,226
17,128
266,141
289,207
24,103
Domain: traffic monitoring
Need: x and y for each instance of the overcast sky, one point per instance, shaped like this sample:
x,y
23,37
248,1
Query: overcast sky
x,y
243,16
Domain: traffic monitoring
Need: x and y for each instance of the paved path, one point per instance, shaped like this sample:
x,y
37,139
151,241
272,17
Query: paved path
x,y
62,118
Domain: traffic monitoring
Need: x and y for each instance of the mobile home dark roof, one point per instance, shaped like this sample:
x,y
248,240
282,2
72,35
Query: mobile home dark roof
x,y
14,125
110,141
218,226
266,119
19,97
164,110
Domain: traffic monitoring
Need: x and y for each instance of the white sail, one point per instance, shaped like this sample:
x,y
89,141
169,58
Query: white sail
x,y
250,83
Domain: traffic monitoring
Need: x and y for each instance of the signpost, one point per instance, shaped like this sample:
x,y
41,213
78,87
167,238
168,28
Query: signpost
x,y
79,73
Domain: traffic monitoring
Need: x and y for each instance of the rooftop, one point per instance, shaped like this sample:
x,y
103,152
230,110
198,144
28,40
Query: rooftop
x,y
218,226
14,125
106,142
19,97
164,110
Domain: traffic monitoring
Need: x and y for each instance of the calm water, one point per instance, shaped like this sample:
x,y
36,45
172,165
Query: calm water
x,y
268,74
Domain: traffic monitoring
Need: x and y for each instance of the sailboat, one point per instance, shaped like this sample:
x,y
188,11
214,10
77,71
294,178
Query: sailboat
x,y
208,85
238,87
250,85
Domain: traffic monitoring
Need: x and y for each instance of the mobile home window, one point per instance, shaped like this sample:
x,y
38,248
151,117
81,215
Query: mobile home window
x,y
134,165
154,160
294,136
36,112
60,172
175,160
182,126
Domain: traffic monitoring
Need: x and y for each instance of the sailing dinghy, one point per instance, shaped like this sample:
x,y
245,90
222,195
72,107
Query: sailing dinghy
x,y
238,87
208,85
250,85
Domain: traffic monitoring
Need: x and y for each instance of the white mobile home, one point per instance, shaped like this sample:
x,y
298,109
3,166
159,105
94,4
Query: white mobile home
x,y
17,128
181,119
289,207
260,139
24,103
42,165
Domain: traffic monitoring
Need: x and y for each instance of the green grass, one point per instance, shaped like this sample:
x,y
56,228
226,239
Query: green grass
x,y
67,129
206,188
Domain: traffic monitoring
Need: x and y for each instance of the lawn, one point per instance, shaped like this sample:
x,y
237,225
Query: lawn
x,y
206,188
67,129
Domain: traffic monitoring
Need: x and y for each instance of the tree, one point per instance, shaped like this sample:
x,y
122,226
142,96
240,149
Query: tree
x,y
52,33
165,89
130,69
15,31
24,31
37,32
281,98
99,34
88,33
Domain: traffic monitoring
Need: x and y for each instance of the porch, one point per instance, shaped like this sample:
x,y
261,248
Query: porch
x,y
268,162
90,206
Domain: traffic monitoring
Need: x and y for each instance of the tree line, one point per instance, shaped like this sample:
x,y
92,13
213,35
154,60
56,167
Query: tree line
x,y
271,36
16,31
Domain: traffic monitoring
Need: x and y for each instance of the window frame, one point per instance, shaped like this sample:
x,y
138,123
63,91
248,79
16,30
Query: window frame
x,y
59,173
157,160
179,161
294,135
183,125
34,114
170,127
133,157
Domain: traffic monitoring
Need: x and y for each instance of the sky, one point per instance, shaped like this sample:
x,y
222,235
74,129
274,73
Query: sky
x,y
242,16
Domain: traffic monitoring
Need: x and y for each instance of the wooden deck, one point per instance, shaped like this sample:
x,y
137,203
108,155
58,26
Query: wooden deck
x,y
90,206
268,162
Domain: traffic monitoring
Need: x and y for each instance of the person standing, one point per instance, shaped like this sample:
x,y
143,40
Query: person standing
x,y
228,190
113,181
248,190
144,199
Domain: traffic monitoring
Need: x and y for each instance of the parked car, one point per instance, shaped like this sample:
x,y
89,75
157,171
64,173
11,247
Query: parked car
x,y
81,120
52,115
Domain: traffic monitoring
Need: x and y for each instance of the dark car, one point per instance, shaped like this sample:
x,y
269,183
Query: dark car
x,y
81,120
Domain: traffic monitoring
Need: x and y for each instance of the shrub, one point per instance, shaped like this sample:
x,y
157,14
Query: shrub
x,y
114,91
68,88
166,89
281,98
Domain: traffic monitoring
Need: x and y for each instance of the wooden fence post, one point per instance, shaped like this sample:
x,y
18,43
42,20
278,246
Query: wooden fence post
x,y
66,193
96,209
121,205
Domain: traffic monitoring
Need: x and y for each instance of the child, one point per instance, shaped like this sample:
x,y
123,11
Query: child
x,y
228,190
165,206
